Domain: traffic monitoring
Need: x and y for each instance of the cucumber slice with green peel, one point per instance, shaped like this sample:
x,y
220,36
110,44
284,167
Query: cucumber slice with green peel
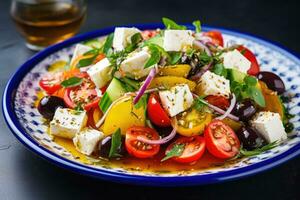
x,y
113,92
235,75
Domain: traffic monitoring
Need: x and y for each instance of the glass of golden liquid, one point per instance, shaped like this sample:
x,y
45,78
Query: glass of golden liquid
x,y
46,22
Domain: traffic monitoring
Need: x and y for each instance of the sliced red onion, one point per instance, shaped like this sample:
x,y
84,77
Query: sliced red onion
x,y
163,140
204,69
200,45
228,111
146,84
219,110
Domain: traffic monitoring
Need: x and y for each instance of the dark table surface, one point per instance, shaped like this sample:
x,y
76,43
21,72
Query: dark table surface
x,y
24,175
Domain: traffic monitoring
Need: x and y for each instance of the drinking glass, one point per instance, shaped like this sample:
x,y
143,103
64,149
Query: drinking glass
x,y
46,22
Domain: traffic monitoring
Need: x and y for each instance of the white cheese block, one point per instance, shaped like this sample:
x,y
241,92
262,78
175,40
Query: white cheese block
x,y
270,126
234,59
133,65
176,100
213,84
67,122
122,37
100,73
178,40
80,49
87,140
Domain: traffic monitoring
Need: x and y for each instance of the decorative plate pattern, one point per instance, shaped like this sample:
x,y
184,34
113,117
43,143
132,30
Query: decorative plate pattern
x,y
269,57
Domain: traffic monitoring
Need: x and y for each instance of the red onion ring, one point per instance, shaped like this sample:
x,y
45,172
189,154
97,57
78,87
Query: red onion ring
x,y
219,110
145,85
163,140
228,111
200,45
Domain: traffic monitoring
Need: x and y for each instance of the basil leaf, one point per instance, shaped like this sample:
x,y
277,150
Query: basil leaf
x,y
136,38
154,58
199,103
71,82
255,94
170,24
219,69
174,57
85,62
197,25
250,81
158,40
108,43
116,142
176,150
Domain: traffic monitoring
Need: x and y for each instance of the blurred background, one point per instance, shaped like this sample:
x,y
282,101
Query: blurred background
x,y
23,175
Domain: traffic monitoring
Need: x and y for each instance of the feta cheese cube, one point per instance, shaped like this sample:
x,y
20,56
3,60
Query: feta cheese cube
x,y
177,40
122,37
80,49
134,64
270,126
176,100
234,59
100,73
67,122
213,84
86,141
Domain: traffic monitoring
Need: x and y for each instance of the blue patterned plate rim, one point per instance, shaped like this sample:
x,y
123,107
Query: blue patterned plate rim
x,y
24,138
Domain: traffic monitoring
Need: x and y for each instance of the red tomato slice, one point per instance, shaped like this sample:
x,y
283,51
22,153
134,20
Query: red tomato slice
x,y
156,113
221,141
218,101
51,82
139,149
194,148
216,37
254,69
147,34
84,95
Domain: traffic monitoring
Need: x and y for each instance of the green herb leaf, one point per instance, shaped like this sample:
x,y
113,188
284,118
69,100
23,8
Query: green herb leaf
x,y
219,69
176,150
244,152
170,24
255,94
116,142
250,80
88,61
133,84
199,103
142,102
155,57
157,40
174,57
136,38
204,58
78,107
71,82
108,44
197,25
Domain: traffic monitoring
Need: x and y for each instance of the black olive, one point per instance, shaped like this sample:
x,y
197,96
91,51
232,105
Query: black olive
x,y
244,109
48,105
250,138
105,145
273,81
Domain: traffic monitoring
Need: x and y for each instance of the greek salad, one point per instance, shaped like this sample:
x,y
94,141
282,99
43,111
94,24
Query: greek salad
x,y
173,92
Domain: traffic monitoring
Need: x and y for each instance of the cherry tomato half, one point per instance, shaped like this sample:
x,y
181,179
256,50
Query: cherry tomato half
x,y
156,113
139,149
218,101
254,69
216,37
221,141
84,95
51,82
194,148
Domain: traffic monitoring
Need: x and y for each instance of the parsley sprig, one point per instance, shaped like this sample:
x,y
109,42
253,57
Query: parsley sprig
x,y
176,150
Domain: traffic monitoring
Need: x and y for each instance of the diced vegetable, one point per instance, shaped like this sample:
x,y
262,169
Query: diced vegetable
x,y
175,70
170,81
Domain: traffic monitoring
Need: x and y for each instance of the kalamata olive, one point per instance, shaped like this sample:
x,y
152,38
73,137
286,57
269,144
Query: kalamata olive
x,y
273,81
48,105
250,138
105,145
244,110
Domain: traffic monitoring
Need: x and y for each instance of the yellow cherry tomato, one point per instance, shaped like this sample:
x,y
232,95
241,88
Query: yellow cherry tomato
x,y
175,70
123,115
192,122
170,81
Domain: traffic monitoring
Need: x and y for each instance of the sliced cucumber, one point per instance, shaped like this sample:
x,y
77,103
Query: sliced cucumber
x,y
235,75
113,92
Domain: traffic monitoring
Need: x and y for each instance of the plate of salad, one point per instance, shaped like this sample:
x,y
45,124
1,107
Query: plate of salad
x,y
159,104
